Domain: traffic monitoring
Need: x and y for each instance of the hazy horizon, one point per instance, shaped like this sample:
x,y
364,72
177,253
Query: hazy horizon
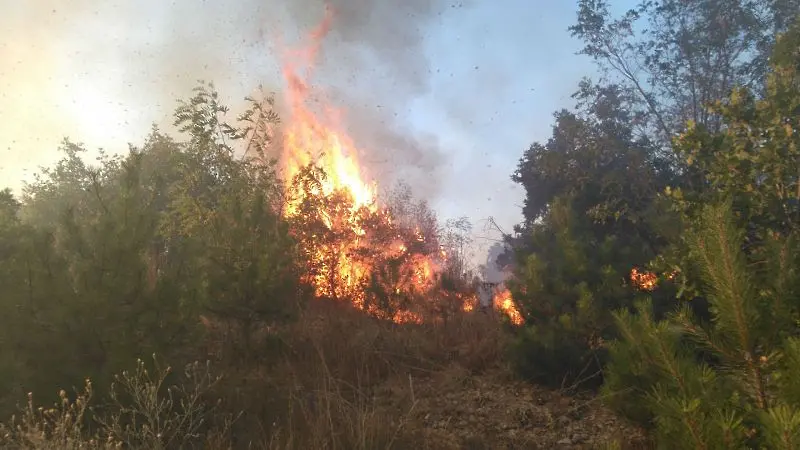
x,y
444,95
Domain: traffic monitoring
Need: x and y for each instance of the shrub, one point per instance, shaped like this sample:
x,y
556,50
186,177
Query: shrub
x,y
747,393
146,411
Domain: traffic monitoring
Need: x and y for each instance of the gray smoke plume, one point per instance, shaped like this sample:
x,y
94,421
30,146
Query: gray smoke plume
x,y
374,57
377,40
494,273
143,55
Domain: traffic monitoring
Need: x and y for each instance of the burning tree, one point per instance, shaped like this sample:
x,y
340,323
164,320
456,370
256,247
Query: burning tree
x,y
386,256
358,252
381,256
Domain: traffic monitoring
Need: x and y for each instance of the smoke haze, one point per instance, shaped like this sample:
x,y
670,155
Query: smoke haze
x,y
444,95
375,61
123,64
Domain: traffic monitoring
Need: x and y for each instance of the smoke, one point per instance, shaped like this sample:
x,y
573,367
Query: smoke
x,y
374,58
381,41
101,72
494,273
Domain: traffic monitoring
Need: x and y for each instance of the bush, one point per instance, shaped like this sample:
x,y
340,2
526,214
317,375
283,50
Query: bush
x,y
747,394
557,358
146,412
729,381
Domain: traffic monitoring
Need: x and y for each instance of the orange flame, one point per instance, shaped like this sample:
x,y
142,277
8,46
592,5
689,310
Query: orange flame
x,y
347,205
407,317
645,281
470,303
504,302
648,281
306,133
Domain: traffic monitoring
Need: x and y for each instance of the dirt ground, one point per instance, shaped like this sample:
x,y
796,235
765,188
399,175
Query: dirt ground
x,y
458,410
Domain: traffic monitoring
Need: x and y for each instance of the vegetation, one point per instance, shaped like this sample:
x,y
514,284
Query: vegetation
x,y
725,382
684,184
183,249
656,268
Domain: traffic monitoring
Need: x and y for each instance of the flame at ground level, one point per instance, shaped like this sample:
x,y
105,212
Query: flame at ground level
x,y
504,302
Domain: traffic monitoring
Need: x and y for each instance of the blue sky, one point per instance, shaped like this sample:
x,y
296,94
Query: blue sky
x,y
454,112
526,69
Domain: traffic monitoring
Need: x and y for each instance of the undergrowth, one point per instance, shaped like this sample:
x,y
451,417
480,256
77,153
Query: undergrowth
x,y
317,390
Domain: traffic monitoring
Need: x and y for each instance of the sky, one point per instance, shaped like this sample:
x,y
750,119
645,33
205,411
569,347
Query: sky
x,y
444,94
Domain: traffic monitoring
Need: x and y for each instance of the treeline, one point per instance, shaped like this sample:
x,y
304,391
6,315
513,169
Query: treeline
x,y
658,258
182,248
657,263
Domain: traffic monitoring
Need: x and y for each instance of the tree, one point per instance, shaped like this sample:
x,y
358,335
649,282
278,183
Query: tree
x,y
728,382
688,55
746,392
603,194
104,262
591,214
224,219
753,161
80,295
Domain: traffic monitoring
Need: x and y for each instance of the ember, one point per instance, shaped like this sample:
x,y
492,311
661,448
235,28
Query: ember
x,y
645,281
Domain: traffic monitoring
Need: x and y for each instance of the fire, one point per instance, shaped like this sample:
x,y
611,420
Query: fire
x,y
503,302
470,303
648,281
307,133
407,317
355,249
645,281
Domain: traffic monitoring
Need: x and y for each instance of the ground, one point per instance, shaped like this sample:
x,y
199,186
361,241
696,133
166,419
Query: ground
x,y
355,382
492,410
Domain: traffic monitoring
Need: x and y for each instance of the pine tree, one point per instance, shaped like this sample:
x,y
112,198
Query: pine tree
x,y
732,381
728,378
590,209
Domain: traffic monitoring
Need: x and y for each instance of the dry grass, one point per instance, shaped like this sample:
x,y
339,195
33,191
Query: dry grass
x,y
339,380
325,390
146,411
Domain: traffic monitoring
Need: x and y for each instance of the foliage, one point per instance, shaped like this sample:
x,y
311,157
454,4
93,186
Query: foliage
x,y
224,220
686,56
145,413
745,394
611,192
103,262
83,291
755,158
591,215
752,161
728,382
